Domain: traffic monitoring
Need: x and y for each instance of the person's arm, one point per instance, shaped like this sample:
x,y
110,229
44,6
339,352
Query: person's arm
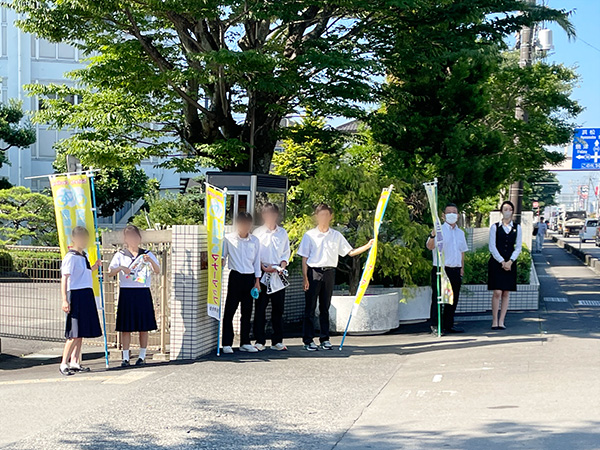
x,y
64,295
115,267
359,250
462,264
305,272
150,258
463,248
492,245
285,253
256,265
225,252
430,245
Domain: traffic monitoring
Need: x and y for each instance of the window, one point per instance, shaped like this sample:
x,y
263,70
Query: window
x,y
3,32
40,184
43,49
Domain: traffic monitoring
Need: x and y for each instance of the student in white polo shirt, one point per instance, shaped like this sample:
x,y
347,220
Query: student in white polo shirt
x,y
242,251
274,258
320,250
454,248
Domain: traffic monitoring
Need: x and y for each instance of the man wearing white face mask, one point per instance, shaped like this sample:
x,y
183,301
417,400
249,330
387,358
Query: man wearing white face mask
x,y
454,246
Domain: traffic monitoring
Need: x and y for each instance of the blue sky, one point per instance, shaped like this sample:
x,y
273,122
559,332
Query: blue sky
x,y
583,53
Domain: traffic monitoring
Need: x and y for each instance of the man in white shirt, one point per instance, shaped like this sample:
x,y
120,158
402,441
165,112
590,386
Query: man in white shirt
x,y
542,228
242,252
320,249
454,246
274,258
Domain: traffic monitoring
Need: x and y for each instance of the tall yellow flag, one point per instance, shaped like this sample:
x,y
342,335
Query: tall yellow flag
x,y
215,227
73,207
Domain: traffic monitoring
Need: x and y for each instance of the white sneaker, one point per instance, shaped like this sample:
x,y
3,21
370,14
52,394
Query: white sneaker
x,y
279,347
248,348
227,349
260,347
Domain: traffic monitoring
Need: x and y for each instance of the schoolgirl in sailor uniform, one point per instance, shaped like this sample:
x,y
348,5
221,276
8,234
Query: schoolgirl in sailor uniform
x,y
78,301
135,311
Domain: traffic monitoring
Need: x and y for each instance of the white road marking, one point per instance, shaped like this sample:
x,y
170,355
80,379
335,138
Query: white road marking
x,y
556,300
105,379
589,302
128,377
437,378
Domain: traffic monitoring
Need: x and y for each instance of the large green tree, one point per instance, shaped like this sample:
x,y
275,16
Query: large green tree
x,y
13,132
26,214
449,104
201,82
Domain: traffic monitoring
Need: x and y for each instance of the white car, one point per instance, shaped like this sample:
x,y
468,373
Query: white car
x,y
589,230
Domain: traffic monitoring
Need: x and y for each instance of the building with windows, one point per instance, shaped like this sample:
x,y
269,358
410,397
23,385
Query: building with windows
x,y
25,59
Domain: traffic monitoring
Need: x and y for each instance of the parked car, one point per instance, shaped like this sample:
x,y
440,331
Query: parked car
x,y
597,236
573,222
589,230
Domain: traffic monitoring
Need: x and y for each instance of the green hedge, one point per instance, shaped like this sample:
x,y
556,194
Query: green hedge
x,y
30,263
476,266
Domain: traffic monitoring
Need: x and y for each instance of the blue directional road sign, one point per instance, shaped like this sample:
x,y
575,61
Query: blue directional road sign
x,y
586,149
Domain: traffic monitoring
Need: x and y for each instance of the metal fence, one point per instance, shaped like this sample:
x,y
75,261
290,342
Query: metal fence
x,y
30,303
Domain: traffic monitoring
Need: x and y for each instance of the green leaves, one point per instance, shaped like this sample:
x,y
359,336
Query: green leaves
x,y
26,214
13,132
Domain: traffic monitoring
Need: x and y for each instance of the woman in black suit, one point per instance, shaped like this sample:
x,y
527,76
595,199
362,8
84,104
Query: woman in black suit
x,y
506,239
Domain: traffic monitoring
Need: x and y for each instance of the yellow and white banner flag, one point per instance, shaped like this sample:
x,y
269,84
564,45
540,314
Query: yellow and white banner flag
x,y
446,295
367,274
73,207
215,227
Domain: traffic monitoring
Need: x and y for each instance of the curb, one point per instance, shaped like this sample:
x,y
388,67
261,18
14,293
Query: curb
x,y
586,258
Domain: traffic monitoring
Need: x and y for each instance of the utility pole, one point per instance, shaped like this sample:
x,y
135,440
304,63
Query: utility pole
x,y
525,60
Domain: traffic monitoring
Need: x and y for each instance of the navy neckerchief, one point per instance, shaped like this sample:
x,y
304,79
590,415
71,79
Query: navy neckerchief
x,y
84,255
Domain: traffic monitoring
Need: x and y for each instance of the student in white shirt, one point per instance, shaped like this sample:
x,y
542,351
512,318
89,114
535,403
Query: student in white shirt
x,y
135,312
78,301
506,241
454,246
241,250
320,249
274,258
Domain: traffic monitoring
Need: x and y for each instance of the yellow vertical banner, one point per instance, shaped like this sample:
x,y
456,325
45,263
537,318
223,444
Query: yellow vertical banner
x,y
73,207
215,228
372,257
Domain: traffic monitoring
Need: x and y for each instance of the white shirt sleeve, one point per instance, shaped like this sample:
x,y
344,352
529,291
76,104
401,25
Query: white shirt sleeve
x,y
518,244
154,258
115,261
493,250
344,246
256,262
285,253
462,245
66,267
304,248
225,249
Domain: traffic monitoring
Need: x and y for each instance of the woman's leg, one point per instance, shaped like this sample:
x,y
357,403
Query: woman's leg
x,y
495,306
125,342
143,344
68,351
505,298
76,352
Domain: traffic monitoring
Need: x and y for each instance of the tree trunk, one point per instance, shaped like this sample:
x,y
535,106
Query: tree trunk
x,y
355,273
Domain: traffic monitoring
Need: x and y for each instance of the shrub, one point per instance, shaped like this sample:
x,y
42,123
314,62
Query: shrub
x,y
476,266
31,263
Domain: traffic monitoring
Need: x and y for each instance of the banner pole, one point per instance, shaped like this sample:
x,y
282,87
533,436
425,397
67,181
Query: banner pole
x,y
439,275
100,277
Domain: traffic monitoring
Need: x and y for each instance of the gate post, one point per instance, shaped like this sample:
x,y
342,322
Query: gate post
x,y
193,332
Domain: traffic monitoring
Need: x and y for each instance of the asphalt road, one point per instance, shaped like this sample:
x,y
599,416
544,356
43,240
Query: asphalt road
x,y
535,386
588,246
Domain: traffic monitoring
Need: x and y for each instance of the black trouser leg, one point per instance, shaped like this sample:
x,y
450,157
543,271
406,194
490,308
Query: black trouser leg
x,y
277,307
310,305
246,319
433,316
238,291
325,302
260,313
449,310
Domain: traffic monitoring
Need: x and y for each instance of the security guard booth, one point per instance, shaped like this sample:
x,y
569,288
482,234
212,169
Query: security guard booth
x,y
246,192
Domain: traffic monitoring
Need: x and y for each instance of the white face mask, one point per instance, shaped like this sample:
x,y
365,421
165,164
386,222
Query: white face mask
x,y
451,218
507,214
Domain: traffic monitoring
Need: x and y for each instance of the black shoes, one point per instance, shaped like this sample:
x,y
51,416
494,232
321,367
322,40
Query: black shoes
x,y
65,371
140,362
454,330
125,363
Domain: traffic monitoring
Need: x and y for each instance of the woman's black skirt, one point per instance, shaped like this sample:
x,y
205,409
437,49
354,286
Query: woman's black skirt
x,y
500,279
82,320
136,310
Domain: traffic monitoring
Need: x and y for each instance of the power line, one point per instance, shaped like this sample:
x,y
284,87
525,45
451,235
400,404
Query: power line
x,y
589,45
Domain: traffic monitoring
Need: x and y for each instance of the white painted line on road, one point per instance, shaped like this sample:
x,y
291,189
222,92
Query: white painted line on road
x,y
556,300
437,378
589,302
127,378
41,356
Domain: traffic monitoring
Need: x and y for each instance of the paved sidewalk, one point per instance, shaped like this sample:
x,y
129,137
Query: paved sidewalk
x,y
534,386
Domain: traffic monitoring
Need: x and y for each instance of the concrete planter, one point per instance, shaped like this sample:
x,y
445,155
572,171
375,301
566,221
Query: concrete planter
x,y
415,304
378,312
475,298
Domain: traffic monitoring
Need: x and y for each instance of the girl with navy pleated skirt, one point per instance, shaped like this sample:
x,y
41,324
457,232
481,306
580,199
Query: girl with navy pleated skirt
x,y
135,312
78,301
